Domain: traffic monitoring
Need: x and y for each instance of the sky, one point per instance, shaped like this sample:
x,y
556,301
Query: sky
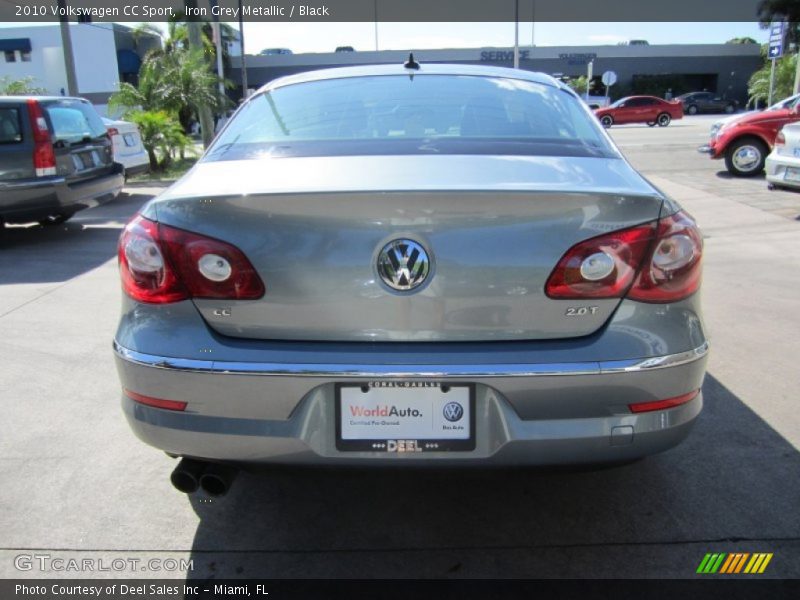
x,y
325,37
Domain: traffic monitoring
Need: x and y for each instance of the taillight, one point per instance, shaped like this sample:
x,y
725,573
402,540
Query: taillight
x,y
112,131
672,269
601,267
780,139
44,157
161,264
657,262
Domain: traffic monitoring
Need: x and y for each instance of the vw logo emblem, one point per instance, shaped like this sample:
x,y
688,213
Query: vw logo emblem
x,y
453,411
403,265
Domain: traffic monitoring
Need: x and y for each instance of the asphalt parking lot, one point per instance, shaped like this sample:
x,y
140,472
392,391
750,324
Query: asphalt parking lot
x,y
77,484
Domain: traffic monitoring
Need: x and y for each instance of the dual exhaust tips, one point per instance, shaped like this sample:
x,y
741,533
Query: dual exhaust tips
x,y
214,479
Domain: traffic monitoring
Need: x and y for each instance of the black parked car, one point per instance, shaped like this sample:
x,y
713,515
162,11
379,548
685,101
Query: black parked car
x,y
706,102
55,159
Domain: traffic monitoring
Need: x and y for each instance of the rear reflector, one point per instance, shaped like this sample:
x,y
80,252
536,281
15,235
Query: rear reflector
x,y
641,407
156,402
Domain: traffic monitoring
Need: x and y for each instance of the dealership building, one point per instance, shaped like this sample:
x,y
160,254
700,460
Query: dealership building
x,y
640,69
106,53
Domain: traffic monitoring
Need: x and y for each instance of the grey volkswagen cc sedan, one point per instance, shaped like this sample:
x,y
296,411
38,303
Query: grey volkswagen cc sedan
x,y
410,264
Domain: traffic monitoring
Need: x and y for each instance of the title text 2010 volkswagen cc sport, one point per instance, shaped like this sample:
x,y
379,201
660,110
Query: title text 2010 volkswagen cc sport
x,y
411,264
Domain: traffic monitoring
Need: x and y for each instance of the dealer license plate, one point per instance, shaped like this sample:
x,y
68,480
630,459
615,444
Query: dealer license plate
x,y
405,417
792,174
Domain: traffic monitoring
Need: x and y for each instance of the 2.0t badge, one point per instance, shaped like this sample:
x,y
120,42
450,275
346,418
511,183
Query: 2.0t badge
x,y
403,264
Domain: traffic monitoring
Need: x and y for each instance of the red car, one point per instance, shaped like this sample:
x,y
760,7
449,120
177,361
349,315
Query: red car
x,y
745,141
640,109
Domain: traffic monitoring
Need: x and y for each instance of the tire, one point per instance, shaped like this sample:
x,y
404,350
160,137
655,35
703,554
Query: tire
x,y
663,119
729,109
745,157
691,110
606,121
651,123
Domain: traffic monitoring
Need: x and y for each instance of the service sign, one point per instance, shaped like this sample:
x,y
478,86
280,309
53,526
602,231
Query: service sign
x,y
405,417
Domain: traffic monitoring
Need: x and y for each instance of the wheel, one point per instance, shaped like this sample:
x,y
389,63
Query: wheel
x,y
651,123
745,157
691,110
729,109
663,119
606,121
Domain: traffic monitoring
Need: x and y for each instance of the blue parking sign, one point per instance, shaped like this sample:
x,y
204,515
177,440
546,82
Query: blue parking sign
x,y
776,31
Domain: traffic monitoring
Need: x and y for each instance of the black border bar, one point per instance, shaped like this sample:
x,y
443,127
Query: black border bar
x,y
540,11
416,589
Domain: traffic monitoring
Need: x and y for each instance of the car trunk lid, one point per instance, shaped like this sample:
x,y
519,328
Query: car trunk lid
x,y
493,227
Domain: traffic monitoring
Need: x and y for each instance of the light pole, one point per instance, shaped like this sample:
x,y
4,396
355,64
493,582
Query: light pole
x,y
516,34
376,25
243,62
66,43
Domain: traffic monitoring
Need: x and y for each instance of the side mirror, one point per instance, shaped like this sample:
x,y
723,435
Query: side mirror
x,y
795,110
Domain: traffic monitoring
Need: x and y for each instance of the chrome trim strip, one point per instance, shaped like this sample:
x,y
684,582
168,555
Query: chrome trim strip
x,y
657,362
478,371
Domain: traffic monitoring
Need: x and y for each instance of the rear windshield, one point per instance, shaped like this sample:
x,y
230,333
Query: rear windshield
x,y
74,121
398,114
10,130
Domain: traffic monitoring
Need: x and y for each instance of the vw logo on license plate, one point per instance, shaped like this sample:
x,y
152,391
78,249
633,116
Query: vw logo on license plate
x,y
453,411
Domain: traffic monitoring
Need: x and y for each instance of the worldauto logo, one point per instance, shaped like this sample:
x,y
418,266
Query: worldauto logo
x,y
453,411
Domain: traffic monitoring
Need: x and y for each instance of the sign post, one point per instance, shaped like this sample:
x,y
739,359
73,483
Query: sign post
x,y
589,75
609,78
776,34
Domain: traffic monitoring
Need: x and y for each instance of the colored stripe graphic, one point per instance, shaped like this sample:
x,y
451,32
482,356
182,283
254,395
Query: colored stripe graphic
x,y
731,560
729,564
759,562
734,563
711,563
741,562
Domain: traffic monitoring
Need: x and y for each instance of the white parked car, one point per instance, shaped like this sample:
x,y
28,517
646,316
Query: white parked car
x,y
783,163
127,146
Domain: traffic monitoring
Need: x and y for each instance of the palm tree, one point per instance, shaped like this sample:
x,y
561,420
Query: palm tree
x,y
758,86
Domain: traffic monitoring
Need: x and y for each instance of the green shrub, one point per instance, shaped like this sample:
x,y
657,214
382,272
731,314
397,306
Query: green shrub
x,y
162,136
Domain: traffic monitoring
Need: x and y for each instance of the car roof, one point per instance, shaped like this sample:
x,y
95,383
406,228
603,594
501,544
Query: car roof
x,y
425,69
40,98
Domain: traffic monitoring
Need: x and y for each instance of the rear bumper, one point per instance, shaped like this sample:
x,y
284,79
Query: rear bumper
x,y
527,413
776,166
137,168
31,200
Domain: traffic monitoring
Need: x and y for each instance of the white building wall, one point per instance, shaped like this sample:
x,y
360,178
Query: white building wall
x,y
93,49
95,55
47,60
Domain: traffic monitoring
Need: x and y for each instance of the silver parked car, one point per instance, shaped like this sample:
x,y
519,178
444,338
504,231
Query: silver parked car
x,y
417,264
